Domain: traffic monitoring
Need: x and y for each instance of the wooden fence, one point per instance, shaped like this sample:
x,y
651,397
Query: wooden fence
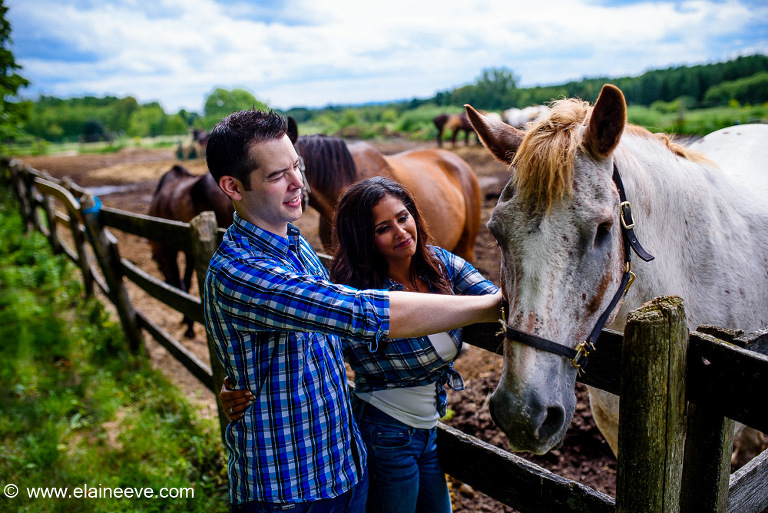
x,y
678,400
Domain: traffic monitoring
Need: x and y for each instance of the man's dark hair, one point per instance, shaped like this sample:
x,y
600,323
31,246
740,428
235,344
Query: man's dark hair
x,y
227,152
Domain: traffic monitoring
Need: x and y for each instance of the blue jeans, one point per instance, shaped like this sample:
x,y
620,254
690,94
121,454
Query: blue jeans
x,y
352,501
405,472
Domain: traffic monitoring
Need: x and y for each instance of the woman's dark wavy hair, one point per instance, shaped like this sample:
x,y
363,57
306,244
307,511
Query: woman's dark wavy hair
x,y
356,261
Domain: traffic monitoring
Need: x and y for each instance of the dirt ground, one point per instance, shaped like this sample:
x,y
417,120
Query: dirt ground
x,y
127,179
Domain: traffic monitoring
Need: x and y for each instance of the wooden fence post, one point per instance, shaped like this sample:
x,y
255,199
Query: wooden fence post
x,y
652,408
24,193
108,257
53,232
78,239
204,244
708,444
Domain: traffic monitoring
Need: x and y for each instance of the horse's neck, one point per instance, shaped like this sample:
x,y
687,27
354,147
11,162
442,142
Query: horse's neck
x,y
707,236
369,161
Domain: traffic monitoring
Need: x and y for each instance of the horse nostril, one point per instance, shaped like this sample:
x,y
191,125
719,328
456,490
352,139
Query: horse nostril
x,y
552,422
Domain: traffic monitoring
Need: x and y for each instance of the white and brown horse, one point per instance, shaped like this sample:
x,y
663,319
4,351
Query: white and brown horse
x,y
559,223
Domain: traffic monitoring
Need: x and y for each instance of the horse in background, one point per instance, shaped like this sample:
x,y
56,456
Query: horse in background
x,y
520,118
443,185
180,196
196,147
453,123
200,139
560,225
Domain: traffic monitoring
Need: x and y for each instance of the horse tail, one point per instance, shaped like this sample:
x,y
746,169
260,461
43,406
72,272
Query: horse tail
x,y
328,162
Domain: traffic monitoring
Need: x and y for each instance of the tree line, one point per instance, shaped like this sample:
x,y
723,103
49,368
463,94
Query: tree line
x,y
91,118
743,80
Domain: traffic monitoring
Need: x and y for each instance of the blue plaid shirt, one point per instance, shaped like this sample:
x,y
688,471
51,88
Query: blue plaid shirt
x,y
277,323
408,362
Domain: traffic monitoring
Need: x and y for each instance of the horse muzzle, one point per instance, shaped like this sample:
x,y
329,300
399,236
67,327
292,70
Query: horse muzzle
x,y
530,426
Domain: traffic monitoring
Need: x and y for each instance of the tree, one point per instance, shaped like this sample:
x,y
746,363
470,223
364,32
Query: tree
x,y
13,113
147,121
498,88
221,102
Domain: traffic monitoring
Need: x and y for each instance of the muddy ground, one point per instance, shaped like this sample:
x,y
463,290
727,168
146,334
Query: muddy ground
x,y
127,179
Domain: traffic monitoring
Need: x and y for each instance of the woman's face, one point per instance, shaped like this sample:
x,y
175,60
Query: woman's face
x,y
394,230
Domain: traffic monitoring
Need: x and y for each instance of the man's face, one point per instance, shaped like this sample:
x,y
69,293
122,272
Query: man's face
x,y
272,198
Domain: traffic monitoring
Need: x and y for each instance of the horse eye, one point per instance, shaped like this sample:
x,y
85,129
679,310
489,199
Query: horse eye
x,y
603,233
493,228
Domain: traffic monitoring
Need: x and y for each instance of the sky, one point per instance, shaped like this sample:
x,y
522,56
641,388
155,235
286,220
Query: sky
x,y
314,53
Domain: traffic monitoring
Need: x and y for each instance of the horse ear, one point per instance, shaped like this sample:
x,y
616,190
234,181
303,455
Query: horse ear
x,y
501,139
606,124
293,130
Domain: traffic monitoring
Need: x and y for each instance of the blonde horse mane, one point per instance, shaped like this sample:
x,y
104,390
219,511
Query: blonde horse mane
x,y
544,161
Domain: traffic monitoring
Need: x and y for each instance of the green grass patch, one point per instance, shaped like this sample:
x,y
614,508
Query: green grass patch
x,y
697,121
78,410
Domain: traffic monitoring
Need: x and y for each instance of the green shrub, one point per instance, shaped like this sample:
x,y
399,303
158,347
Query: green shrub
x,y
77,407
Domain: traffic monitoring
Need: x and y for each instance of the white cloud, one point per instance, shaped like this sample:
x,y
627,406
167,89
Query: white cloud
x,y
315,52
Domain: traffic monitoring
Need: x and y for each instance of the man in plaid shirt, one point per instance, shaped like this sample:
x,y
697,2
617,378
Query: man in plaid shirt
x,y
277,324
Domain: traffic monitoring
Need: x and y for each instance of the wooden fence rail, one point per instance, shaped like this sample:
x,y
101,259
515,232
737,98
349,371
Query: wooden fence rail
x,y
714,379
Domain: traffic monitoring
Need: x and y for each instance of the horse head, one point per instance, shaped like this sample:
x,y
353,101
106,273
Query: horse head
x,y
562,255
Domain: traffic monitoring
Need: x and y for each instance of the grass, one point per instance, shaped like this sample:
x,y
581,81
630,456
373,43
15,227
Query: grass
x,y
416,124
29,147
77,408
696,122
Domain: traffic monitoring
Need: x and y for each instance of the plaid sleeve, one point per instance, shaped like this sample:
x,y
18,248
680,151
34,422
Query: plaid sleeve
x,y
466,280
263,295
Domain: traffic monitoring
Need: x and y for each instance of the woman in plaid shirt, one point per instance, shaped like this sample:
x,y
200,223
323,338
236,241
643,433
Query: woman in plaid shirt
x,y
277,323
399,388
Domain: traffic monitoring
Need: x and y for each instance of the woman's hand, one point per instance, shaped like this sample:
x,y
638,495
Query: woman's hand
x,y
234,402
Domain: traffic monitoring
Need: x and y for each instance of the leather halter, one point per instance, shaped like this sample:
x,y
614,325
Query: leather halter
x,y
306,191
578,355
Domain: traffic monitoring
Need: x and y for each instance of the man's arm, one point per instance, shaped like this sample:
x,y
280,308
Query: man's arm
x,y
416,314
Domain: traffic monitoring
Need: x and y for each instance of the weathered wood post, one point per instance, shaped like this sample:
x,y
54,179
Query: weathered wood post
x,y
652,408
53,232
108,256
24,193
78,237
708,446
204,243
48,191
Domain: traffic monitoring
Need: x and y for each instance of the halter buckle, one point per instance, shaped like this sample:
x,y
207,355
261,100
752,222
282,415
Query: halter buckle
x,y
503,323
632,277
628,205
581,349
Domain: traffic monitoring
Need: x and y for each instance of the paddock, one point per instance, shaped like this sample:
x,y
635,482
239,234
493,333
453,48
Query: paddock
x,y
719,370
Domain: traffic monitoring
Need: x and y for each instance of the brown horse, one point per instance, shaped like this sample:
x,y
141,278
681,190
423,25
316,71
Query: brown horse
x,y
444,186
180,196
454,123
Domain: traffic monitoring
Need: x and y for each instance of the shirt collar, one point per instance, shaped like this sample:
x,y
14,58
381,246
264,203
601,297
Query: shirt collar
x,y
267,239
